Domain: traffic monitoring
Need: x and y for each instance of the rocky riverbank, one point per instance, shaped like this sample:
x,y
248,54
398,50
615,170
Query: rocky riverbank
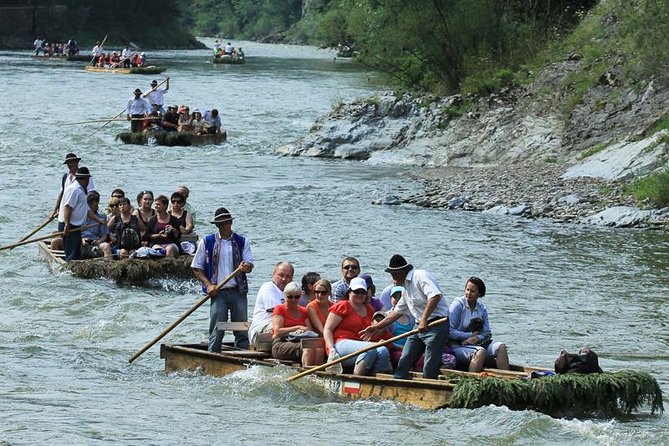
x,y
532,190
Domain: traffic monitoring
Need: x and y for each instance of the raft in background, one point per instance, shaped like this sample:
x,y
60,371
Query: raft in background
x,y
64,57
151,69
228,59
597,394
133,271
172,138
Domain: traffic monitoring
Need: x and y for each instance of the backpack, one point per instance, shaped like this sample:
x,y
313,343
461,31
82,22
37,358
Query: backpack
x,y
129,238
584,362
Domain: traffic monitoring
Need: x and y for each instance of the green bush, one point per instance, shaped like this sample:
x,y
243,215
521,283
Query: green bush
x,y
653,188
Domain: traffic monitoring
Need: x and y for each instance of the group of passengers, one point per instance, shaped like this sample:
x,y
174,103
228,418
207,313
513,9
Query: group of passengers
x,y
126,58
227,50
181,119
121,229
69,48
340,312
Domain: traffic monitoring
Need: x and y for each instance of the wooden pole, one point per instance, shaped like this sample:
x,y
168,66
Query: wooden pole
x,y
187,313
95,55
44,237
363,350
154,88
39,228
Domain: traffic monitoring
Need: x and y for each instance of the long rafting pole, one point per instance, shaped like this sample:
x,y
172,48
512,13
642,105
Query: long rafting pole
x,y
187,313
37,229
44,237
363,350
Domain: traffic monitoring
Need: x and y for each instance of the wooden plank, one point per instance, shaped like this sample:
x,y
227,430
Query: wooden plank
x,y
235,326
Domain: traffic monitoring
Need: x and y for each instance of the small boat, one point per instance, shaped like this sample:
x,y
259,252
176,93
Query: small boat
x,y
559,395
172,138
228,59
134,271
151,69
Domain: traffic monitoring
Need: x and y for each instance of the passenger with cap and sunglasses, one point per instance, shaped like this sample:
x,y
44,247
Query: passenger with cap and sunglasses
x,y
137,109
217,256
422,298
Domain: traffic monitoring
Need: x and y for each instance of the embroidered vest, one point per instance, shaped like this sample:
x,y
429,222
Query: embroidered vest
x,y
212,246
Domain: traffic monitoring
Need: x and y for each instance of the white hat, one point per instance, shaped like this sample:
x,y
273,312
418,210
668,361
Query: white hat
x,y
358,283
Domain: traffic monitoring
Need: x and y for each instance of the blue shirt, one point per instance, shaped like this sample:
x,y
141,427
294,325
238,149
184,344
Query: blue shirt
x,y
460,317
97,231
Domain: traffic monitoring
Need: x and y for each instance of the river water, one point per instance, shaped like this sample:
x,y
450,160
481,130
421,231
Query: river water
x,y
64,342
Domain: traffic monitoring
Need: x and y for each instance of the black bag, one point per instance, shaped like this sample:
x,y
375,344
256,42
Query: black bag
x,y
585,361
129,238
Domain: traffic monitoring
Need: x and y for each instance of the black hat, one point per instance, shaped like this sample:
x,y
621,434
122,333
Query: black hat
x,y
138,91
71,157
398,263
82,172
154,82
222,215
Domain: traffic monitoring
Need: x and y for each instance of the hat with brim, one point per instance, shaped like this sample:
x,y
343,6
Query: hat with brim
x,y
82,172
138,91
358,283
71,157
222,215
398,263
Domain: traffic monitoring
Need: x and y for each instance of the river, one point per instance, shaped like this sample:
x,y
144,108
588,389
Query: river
x,y
64,342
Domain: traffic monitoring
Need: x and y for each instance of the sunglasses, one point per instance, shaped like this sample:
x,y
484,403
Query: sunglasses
x,y
293,296
350,267
359,292
320,292
177,201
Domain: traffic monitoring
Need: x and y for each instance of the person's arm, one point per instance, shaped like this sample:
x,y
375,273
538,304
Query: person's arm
x,y
67,215
369,332
315,320
331,324
202,277
454,318
167,85
57,205
429,308
189,224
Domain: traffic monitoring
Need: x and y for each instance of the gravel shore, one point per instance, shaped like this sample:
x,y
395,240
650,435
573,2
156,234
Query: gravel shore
x,y
531,190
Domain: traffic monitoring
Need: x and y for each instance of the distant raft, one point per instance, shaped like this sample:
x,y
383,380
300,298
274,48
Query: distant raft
x,y
172,138
151,69
64,57
227,58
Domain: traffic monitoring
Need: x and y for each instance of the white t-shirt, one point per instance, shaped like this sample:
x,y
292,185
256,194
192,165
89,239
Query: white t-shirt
x,y
75,197
269,296
225,262
420,286
156,96
69,180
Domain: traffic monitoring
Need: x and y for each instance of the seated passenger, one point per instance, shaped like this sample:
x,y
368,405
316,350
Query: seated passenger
x,y
170,120
319,308
404,324
183,217
342,332
185,122
152,123
212,122
144,210
308,281
371,290
126,230
163,232
197,122
95,239
291,318
112,208
270,294
470,331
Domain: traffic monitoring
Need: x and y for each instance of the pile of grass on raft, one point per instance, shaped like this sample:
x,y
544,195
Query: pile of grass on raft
x,y
133,270
170,138
607,393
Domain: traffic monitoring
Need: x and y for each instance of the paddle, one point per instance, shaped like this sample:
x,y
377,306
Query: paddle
x,y
187,313
363,350
44,237
95,55
104,120
39,228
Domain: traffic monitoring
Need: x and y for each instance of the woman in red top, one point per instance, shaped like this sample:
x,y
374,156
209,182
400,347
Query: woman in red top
x,y
319,308
345,320
291,318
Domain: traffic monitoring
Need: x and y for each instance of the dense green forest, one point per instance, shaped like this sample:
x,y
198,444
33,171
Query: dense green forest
x,y
436,46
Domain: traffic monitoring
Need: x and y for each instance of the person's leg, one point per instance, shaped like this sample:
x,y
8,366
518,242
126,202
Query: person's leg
x,y
435,341
413,348
72,246
465,355
348,346
497,356
238,304
382,364
218,312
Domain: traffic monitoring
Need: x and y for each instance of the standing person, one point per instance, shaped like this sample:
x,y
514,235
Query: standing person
x,y
97,51
269,296
137,109
39,46
350,268
72,162
75,210
422,298
217,256
126,56
155,95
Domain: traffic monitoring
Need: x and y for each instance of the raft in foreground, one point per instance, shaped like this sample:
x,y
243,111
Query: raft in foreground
x,y
134,271
151,69
560,395
172,138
